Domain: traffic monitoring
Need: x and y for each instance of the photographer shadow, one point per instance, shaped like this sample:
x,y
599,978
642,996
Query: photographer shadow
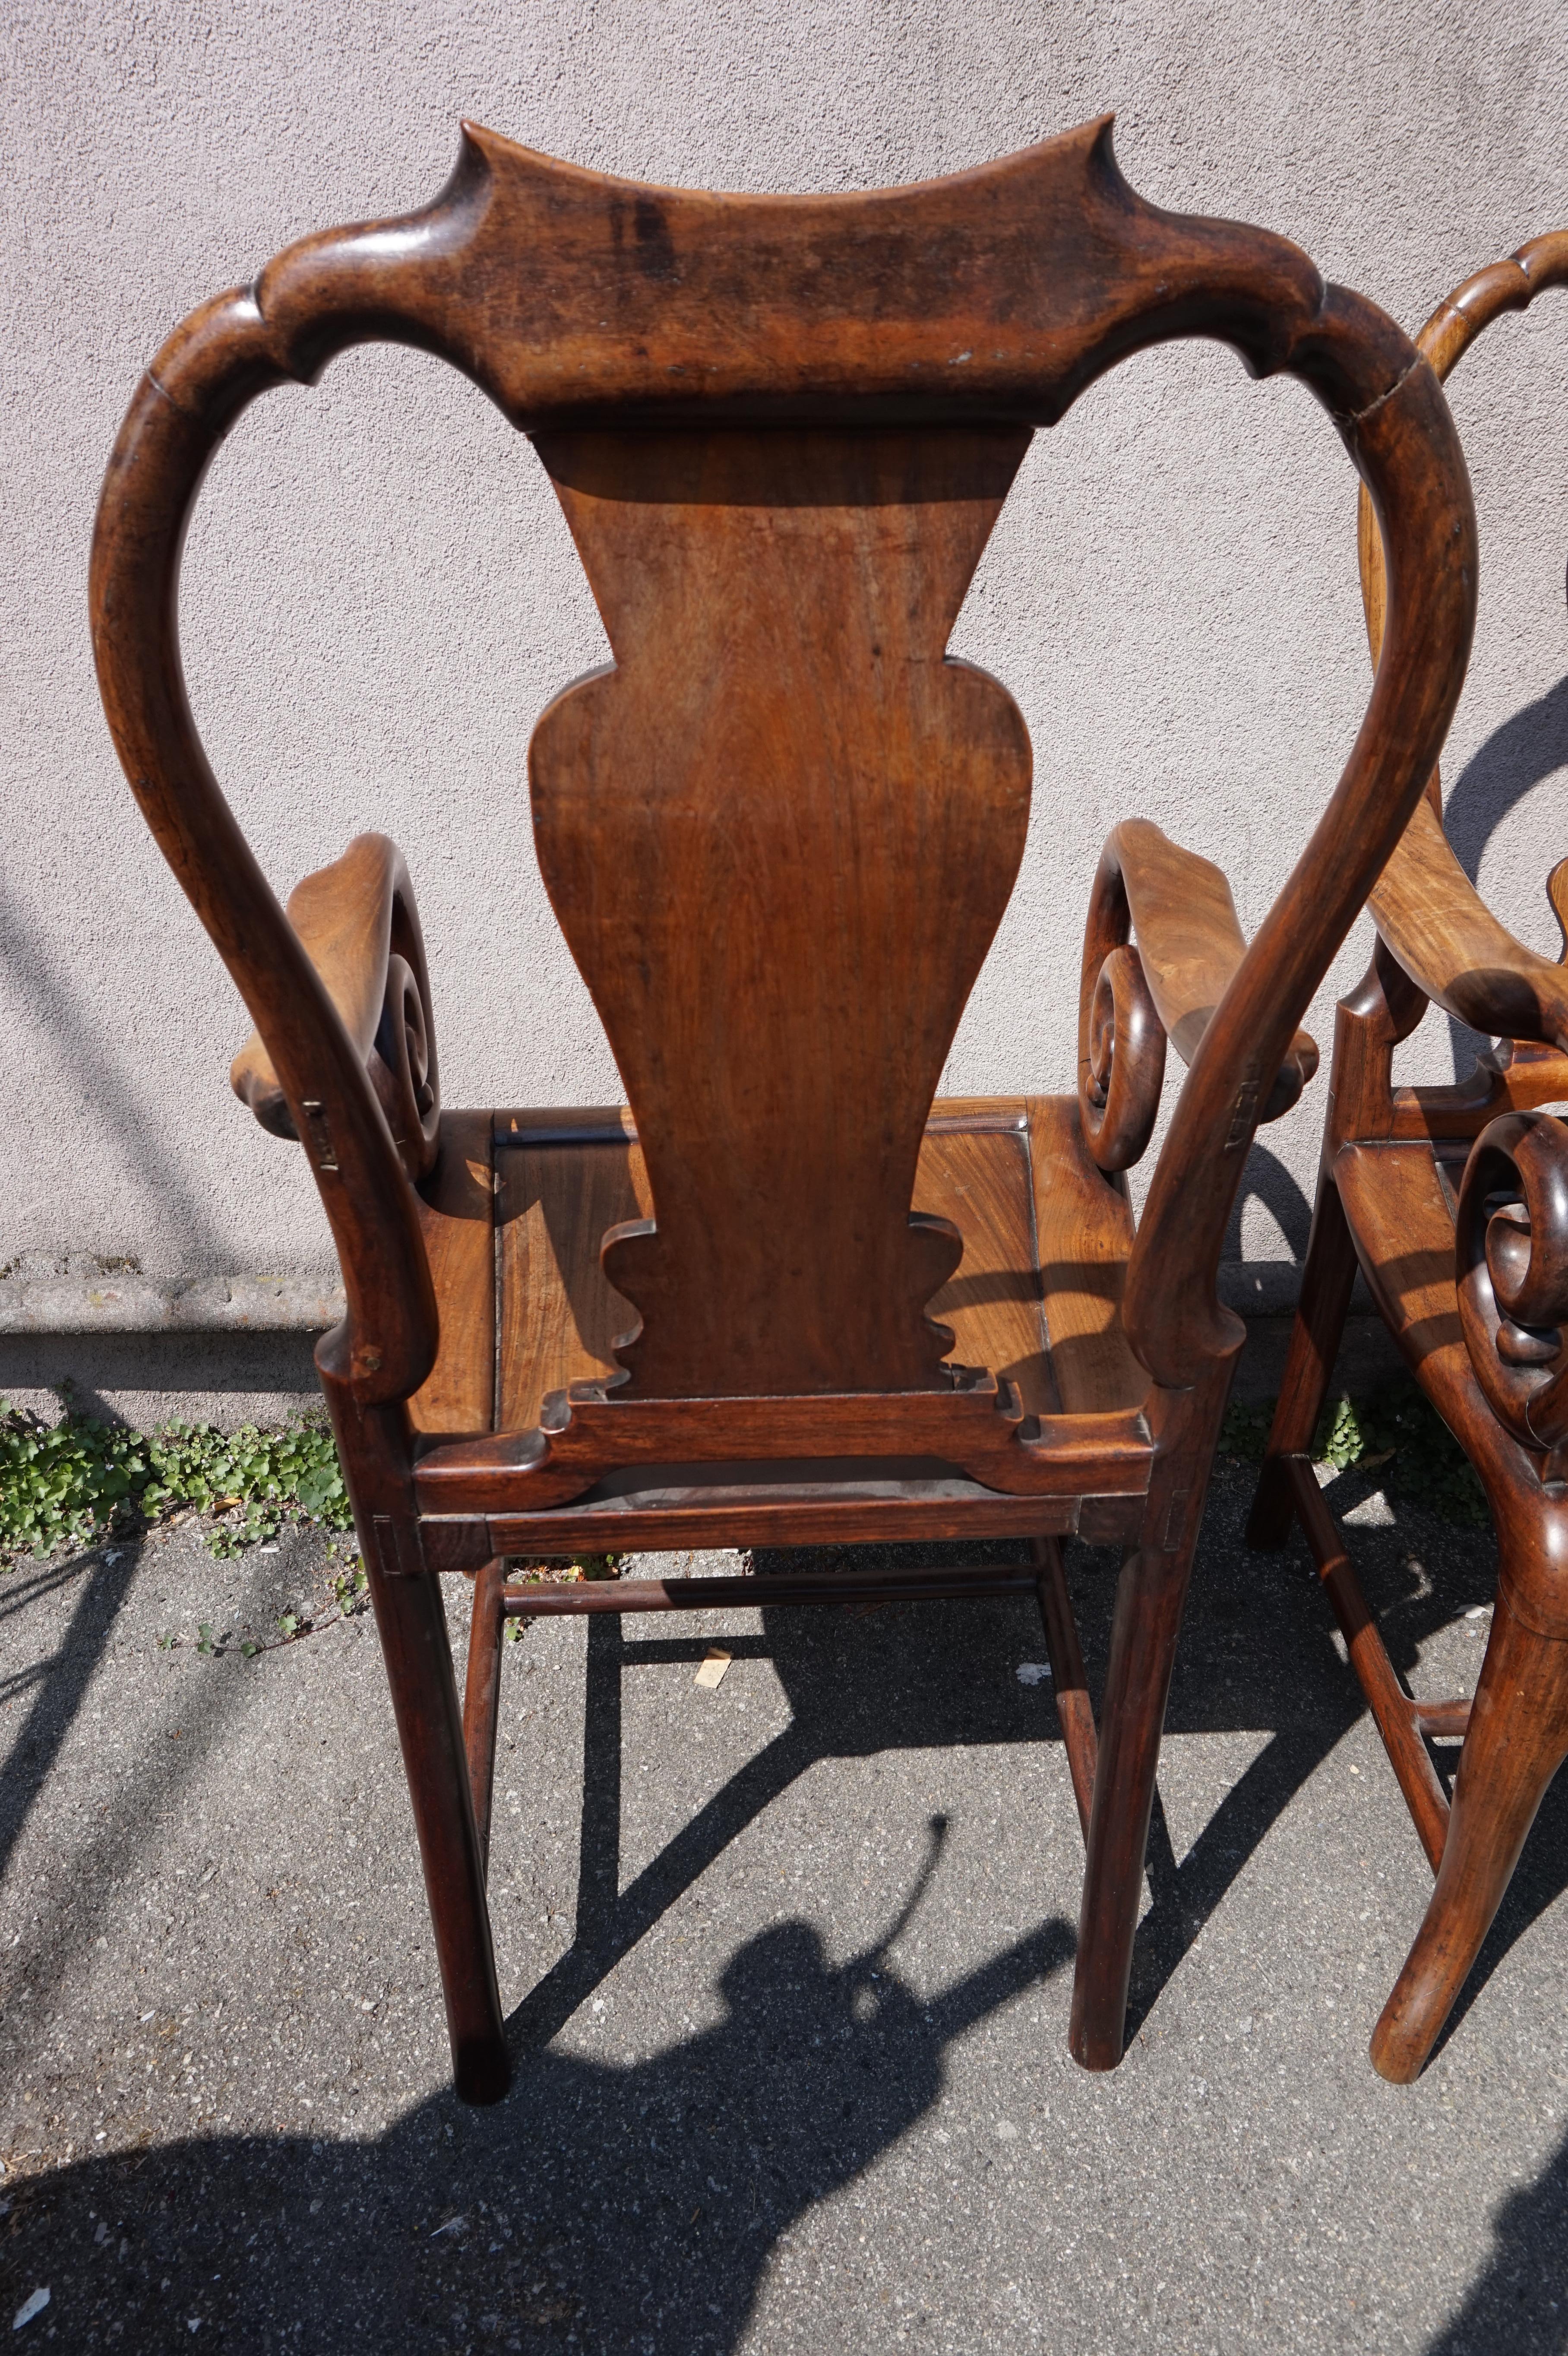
x,y
633,2205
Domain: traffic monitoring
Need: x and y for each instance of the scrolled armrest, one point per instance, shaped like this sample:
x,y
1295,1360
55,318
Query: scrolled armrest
x,y
1178,909
1453,947
358,924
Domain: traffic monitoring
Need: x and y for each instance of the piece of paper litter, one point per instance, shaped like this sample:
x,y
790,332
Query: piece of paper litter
x,y
711,1666
1033,1672
34,2303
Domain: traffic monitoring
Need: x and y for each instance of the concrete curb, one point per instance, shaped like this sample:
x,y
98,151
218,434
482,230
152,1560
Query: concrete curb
x,y
139,1304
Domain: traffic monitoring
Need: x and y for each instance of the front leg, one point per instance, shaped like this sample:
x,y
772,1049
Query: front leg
x,y
411,1620
1150,1595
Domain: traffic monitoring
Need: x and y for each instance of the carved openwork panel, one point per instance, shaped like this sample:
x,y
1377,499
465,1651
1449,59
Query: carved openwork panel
x,y
779,836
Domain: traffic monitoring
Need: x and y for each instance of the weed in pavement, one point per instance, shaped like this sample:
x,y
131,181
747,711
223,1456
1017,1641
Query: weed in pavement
x,y
73,1481
1397,1426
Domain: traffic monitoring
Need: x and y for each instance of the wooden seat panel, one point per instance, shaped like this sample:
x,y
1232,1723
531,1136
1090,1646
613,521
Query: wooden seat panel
x,y
1402,1221
562,1178
558,1313
1084,1225
1398,1202
975,1169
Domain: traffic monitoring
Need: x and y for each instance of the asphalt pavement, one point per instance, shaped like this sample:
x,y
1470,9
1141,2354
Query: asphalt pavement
x,y
787,1963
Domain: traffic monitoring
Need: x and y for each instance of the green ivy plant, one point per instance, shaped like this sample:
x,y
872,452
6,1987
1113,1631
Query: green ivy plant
x,y
1397,1426
71,1483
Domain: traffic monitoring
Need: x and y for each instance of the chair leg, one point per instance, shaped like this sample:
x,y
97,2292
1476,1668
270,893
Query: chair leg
x,y
1074,1710
1518,1738
481,1694
411,1620
1326,1281
1396,1716
1149,1598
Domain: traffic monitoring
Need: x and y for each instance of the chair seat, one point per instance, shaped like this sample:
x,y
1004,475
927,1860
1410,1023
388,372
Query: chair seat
x,y
515,1211
1399,1201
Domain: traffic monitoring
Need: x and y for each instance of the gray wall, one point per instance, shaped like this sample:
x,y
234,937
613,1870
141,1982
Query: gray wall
x,y
380,596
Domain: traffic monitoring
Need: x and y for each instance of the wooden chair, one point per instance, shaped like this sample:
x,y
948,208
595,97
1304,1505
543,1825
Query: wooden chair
x,y
779,836
1454,1203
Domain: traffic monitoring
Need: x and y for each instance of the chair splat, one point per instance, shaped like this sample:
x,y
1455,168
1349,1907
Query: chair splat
x,y
779,837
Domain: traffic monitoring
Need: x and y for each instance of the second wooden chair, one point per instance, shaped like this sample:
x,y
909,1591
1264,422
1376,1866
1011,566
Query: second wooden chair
x,y
1454,1200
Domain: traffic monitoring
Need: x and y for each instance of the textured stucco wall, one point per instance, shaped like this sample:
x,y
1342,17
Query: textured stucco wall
x,y
380,596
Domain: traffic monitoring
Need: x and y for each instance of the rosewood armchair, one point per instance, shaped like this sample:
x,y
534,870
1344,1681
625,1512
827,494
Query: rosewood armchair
x,y
779,836
1454,1200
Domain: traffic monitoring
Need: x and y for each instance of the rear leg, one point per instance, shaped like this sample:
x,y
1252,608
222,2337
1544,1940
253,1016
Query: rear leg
x,y
411,1620
1326,1282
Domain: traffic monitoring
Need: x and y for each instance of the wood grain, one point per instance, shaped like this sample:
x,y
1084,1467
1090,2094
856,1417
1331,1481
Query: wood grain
x,y
1516,1741
360,925
1172,1309
1395,1713
481,1695
975,1427
559,1315
783,757
980,1180
1189,942
789,1512
1002,291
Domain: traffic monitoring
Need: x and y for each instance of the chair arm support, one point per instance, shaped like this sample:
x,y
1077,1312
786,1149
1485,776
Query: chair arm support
x,y
1407,452
358,924
1178,907
1453,947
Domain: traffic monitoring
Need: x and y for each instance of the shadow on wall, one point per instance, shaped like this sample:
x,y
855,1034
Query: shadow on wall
x,y
1265,1287
1527,749
1519,756
113,1094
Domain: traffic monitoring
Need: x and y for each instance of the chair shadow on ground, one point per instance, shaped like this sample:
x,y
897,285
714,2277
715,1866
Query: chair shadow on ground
x,y
1519,2303
57,1685
632,2206
937,1675
691,2166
